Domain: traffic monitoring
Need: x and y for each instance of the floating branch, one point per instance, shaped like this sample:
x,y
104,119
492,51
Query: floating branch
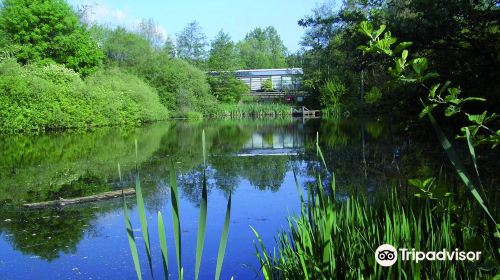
x,y
61,202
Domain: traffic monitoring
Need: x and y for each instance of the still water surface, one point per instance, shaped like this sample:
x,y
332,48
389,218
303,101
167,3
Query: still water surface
x,y
252,159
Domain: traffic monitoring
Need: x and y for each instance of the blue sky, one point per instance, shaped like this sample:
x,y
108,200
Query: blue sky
x,y
235,17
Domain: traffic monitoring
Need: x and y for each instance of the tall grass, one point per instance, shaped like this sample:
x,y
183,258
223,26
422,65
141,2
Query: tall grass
x,y
337,240
176,221
254,110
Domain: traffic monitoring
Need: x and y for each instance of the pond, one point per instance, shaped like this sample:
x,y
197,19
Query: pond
x,y
254,160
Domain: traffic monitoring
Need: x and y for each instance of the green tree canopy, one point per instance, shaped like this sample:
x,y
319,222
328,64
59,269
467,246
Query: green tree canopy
x,y
126,49
223,55
191,43
262,48
48,30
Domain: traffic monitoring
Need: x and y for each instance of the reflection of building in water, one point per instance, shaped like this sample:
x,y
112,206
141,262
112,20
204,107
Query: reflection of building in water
x,y
275,143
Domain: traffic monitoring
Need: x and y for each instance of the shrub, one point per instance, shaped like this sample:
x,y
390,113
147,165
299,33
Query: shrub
x,y
179,83
31,100
123,98
267,85
227,88
39,98
331,93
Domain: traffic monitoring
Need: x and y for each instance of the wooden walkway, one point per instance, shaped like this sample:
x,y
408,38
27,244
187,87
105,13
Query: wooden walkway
x,y
306,113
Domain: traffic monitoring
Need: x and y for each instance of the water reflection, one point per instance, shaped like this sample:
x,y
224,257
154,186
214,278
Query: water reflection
x,y
366,157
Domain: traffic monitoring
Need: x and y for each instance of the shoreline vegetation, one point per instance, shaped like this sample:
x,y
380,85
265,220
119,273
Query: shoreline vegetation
x,y
83,75
59,71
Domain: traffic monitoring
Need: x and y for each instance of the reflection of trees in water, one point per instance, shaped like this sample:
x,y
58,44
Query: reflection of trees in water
x,y
36,166
48,233
264,172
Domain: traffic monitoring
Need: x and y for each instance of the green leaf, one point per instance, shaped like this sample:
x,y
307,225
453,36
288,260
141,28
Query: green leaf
x,y
176,220
379,31
459,167
402,46
223,240
419,65
366,28
454,91
479,119
429,76
363,48
404,55
163,244
472,152
444,87
202,224
451,110
427,109
474,99
416,183
143,220
131,241
432,91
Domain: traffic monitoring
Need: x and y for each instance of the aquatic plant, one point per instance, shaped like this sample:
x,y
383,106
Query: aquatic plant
x,y
331,239
176,226
255,110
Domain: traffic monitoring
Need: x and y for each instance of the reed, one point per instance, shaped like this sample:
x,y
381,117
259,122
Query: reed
x,y
176,224
337,240
253,110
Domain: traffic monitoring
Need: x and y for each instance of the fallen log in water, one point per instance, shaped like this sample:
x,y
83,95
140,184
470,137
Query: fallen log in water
x,y
61,202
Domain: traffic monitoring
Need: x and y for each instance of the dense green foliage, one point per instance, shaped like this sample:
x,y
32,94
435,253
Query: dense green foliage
x,y
138,72
191,43
459,38
223,54
262,49
329,237
39,98
44,31
226,88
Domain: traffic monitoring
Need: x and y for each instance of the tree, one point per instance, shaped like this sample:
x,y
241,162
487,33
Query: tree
x,y
191,43
222,53
262,48
48,31
226,88
126,49
152,32
169,47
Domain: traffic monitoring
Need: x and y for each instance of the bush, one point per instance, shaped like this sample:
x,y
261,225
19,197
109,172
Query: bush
x,y
267,85
331,93
124,98
30,100
179,84
228,89
39,98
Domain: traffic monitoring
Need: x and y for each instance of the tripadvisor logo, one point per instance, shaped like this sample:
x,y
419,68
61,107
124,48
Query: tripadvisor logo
x,y
387,255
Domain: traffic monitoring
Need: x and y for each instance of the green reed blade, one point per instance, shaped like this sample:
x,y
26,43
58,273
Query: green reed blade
x,y
472,152
202,225
458,165
320,154
204,149
176,218
130,233
223,240
119,172
131,241
143,220
163,244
